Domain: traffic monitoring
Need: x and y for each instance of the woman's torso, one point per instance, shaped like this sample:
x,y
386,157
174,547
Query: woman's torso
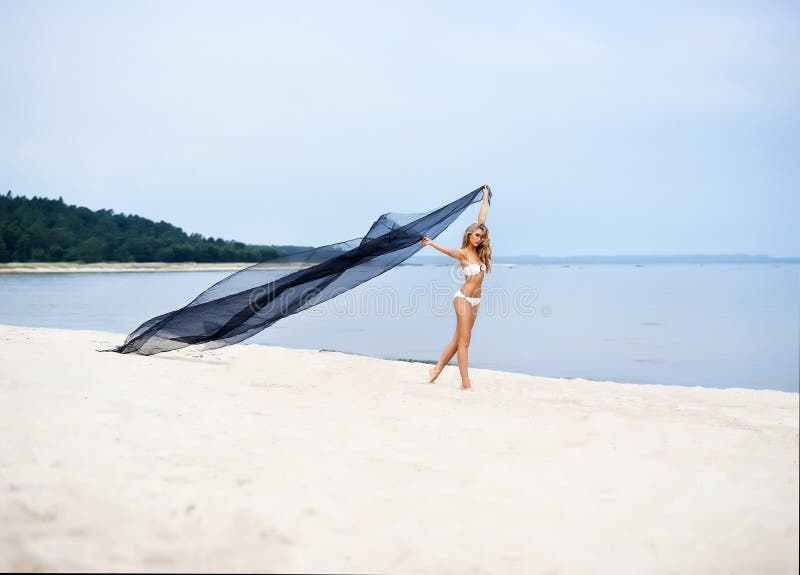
x,y
472,283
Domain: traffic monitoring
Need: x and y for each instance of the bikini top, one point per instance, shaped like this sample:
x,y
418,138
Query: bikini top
x,y
473,269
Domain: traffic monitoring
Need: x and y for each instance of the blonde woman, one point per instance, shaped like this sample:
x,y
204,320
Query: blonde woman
x,y
475,257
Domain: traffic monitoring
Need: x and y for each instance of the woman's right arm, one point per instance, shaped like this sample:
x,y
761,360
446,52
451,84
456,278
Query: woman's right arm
x,y
426,241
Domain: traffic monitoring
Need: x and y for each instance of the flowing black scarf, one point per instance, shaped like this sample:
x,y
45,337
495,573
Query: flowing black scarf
x,y
244,303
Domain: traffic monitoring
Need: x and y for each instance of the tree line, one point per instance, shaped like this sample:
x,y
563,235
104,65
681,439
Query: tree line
x,y
46,230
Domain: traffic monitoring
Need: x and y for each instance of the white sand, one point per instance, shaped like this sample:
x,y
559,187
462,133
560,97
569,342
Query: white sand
x,y
253,458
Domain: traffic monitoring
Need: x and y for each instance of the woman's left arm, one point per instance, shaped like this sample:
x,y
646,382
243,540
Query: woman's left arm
x,y
484,206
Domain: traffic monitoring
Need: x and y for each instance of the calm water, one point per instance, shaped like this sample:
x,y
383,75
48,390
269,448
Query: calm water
x,y
723,325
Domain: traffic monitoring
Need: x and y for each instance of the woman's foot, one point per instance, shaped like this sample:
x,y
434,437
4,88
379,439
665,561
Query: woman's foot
x,y
466,386
433,373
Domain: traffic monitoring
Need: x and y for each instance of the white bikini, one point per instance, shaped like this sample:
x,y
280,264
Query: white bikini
x,y
471,269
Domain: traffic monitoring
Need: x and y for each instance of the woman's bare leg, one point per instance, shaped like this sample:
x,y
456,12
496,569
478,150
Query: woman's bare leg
x,y
448,353
465,318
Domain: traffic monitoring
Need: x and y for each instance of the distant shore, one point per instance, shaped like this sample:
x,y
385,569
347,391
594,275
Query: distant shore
x,y
73,267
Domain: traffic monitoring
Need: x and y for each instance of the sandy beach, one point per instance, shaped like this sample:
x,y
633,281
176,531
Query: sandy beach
x,y
253,458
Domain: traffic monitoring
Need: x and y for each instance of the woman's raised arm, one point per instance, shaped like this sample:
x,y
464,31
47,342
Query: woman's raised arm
x,y
484,206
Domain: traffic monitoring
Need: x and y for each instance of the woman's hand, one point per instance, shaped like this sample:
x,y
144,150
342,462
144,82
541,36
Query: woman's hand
x,y
426,241
485,192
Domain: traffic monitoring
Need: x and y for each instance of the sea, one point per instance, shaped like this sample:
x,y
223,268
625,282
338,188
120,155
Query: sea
x,y
710,325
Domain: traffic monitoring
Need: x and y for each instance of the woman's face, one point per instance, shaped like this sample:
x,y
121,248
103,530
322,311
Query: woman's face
x,y
476,237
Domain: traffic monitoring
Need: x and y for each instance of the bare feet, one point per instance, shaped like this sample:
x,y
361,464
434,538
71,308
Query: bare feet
x,y
466,386
433,374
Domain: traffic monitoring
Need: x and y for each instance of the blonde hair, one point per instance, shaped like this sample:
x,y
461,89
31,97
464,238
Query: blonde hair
x,y
484,250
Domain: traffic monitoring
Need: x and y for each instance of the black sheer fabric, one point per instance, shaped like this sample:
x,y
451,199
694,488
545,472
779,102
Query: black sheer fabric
x,y
244,303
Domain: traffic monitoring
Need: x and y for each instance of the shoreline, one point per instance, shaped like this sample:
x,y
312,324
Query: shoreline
x,y
260,458
108,267
114,267
453,364
120,337
71,267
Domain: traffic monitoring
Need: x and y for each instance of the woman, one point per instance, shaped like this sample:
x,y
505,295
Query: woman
x,y
475,257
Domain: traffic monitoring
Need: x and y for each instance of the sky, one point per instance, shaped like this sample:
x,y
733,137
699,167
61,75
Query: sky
x,y
603,128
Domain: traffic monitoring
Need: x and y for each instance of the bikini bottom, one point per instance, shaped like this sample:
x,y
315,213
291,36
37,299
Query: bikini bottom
x,y
472,300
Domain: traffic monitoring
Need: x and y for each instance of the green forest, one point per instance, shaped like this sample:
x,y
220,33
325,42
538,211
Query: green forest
x,y
47,230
